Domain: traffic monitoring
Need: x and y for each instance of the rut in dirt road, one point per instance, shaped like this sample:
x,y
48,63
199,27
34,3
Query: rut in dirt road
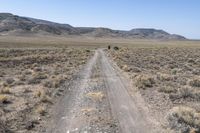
x,y
98,101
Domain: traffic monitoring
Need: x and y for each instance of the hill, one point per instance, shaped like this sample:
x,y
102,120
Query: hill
x,y
16,25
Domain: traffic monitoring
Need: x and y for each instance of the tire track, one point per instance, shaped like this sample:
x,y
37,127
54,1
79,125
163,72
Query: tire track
x,y
100,103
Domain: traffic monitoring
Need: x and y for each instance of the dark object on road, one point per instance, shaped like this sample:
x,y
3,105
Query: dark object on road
x,y
116,48
109,47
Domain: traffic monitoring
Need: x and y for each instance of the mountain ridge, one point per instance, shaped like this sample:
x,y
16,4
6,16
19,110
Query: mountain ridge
x,y
16,25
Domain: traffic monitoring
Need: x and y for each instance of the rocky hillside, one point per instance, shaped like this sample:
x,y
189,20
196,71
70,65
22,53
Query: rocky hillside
x,y
15,25
12,24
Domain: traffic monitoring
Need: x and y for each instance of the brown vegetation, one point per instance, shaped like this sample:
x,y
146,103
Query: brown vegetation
x,y
195,82
144,81
30,80
185,118
3,99
166,77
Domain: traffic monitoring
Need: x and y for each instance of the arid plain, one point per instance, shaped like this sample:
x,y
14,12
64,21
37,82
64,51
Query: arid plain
x,y
37,73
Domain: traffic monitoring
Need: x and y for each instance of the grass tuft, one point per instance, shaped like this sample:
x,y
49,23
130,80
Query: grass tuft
x,y
41,110
46,99
185,117
144,81
167,89
95,95
5,90
4,99
194,82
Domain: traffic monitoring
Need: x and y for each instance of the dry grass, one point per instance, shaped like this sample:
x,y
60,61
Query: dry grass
x,y
172,71
186,92
44,52
52,41
4,99
126,68
5,90
167,89
2,127
164,77
185,116
144,81
43,96
41,110
87,110
39,93
95,96
32,78
195,82
46,99
55,81
37,78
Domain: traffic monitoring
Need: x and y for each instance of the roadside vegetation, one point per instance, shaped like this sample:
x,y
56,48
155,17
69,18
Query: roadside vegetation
x,y
168,79
31,81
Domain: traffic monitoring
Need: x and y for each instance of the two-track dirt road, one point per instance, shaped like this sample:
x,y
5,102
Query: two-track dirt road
x,y
99,101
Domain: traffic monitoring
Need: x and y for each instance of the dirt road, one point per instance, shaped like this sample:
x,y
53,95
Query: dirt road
x,y
99,101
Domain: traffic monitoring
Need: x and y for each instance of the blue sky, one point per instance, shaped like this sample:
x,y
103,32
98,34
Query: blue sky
x,y
175,16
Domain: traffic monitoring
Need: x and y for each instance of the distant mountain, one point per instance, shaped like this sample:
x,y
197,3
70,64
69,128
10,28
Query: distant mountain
x,y
12,24
15,25
154,34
